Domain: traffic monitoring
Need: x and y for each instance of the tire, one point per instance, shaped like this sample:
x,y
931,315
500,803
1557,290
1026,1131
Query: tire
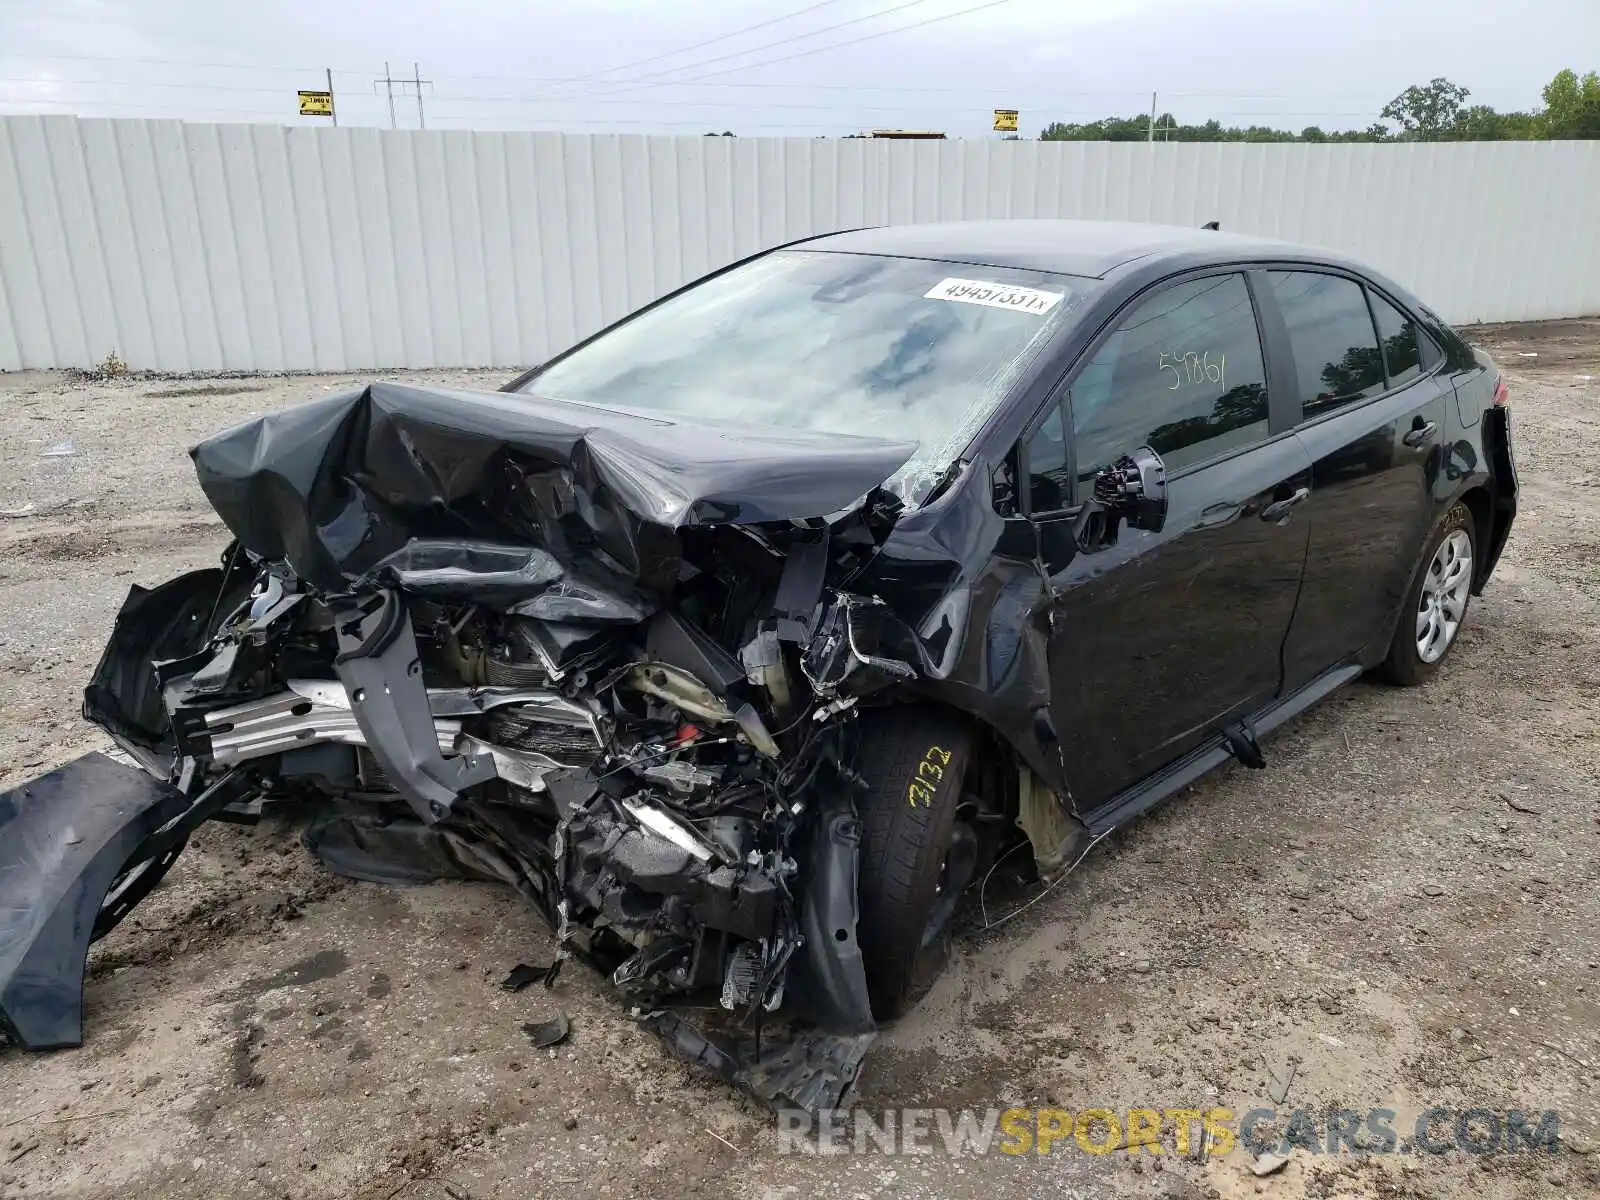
x,y
1429,593
917,855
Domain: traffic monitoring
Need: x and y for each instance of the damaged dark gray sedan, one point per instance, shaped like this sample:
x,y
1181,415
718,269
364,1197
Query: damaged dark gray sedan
x,y
742,637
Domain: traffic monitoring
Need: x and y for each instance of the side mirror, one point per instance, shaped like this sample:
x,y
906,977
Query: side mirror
x,y
1132,489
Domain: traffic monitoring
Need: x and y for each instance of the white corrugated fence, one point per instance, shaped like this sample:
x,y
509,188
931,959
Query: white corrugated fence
x,y
198,247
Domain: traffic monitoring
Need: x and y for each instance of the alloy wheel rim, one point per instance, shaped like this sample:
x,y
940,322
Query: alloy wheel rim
x,y
1443,600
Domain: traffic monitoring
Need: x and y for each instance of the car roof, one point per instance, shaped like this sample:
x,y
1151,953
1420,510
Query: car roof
x,y
1067,247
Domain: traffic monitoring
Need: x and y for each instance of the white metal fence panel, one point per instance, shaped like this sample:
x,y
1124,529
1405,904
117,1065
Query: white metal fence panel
x,y
190,247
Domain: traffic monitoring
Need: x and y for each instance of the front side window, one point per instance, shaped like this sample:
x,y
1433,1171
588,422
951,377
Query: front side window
x,y
838,343
1182,373
1336,353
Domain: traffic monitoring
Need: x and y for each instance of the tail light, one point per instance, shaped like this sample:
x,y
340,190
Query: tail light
x,y
1500,394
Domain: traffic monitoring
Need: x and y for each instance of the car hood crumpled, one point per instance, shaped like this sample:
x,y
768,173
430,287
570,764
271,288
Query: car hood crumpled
x,y
337,487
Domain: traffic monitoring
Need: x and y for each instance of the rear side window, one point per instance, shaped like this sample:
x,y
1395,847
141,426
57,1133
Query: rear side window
x,y
1182,374
1398,333
1330,331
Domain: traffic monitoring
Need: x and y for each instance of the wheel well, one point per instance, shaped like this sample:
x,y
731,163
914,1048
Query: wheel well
x,y
1479,505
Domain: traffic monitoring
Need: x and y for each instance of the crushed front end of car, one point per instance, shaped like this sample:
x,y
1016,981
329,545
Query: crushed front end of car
x,y
610,661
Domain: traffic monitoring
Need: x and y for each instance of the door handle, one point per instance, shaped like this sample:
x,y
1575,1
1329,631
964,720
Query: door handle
x,y
1420,432
1279,509
1215,516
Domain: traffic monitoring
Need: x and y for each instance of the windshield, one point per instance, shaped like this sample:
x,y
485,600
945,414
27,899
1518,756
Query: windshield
x,y
840,343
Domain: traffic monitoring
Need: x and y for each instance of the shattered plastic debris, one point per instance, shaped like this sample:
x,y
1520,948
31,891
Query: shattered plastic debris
x,y
548,1033
522,975
59,450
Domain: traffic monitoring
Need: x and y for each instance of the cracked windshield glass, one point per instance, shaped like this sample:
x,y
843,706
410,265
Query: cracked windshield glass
x,y
835,343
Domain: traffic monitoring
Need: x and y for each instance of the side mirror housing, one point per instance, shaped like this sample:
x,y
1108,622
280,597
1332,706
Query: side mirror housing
x,y
1136,487
1132,489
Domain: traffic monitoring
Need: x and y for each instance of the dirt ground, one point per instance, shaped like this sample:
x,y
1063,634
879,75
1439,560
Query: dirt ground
x,y
1400,912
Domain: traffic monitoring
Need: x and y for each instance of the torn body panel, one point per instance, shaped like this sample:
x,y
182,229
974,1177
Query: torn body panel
x,y
616,663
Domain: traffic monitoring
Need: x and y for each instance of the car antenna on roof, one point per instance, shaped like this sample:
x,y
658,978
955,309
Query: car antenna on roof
x,y
1216,225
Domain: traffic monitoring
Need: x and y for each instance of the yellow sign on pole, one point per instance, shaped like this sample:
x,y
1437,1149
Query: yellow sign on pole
x,y
1005,120
316,104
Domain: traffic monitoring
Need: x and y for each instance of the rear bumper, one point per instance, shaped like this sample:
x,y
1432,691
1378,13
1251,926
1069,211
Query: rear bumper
x,y
1502,488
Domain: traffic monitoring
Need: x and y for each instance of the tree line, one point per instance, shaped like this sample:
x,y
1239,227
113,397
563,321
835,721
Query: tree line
x,y
1431,112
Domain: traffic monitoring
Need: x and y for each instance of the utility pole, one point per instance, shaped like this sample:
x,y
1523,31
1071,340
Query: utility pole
x,y
1152,129
388,82
333,109
416,81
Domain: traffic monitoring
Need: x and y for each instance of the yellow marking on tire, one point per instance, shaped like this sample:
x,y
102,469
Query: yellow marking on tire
x,y
934,760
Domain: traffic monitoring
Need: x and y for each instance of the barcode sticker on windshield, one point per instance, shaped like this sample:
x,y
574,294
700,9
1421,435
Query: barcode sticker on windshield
x,y
995,295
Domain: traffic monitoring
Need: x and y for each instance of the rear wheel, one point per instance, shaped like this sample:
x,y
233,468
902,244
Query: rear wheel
x,y
919,849
1436,603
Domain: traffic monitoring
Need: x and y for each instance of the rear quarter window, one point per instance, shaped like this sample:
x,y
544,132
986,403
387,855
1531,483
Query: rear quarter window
x,y
1398,333
1336,354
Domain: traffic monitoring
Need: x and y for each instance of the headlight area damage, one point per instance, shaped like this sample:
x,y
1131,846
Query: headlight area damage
x,y
610,661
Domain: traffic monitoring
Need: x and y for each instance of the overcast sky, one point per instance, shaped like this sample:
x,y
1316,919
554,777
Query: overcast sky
x,y
535,64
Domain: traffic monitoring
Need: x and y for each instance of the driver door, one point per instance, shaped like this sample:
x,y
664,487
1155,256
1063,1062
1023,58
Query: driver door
x,y
1161,638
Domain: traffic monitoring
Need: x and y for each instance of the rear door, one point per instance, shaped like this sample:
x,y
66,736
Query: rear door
x,y
1373,419
1161,639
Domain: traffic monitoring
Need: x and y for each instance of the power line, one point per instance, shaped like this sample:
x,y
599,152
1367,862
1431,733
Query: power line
x,y
549,79
839,45
799,37
910,106
163,62
698,123
569,79
1041,97
279,113
639,62
139,83
265,112
1053,111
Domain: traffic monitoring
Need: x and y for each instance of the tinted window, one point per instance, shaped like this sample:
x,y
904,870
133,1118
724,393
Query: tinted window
x,y
1330,331
1182,374
1398,333
1048,489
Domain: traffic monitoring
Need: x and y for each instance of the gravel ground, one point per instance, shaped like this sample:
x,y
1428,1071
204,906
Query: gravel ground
x,y
1400,912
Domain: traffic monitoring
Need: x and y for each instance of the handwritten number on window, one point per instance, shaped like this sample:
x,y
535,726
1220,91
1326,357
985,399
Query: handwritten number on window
x,y
1189,368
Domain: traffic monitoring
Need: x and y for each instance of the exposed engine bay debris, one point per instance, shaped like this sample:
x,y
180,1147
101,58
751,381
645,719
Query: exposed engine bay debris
x,y
617,664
